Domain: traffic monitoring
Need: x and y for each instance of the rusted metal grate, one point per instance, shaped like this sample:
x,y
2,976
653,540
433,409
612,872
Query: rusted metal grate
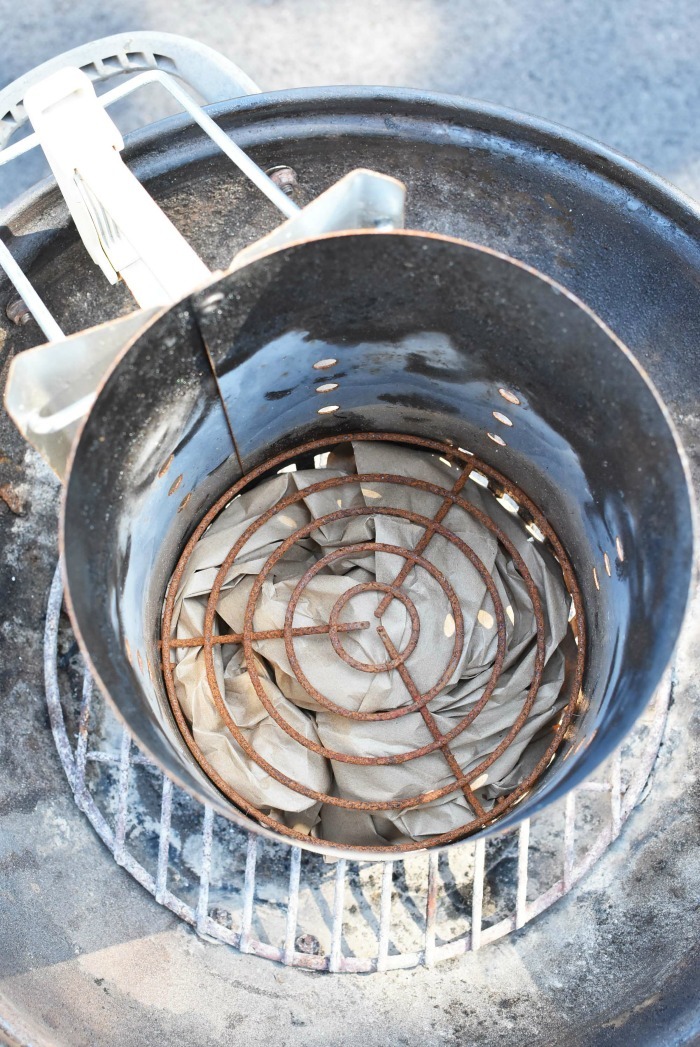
x,y
496,484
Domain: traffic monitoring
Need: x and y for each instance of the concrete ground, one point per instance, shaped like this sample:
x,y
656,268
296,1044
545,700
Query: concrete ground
x,y
622,71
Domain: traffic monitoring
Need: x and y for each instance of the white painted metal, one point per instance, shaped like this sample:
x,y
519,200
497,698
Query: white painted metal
x,y
360,200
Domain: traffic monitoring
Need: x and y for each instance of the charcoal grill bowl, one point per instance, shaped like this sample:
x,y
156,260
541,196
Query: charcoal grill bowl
x,y
425,330
629,245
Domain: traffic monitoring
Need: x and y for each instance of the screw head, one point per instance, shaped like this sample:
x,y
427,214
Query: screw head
x,y
285,178
17,312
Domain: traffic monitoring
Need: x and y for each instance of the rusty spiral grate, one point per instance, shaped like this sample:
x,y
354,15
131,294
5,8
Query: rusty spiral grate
x,y
337,628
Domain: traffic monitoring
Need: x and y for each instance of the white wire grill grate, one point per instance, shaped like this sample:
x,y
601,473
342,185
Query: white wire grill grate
x,y
275,901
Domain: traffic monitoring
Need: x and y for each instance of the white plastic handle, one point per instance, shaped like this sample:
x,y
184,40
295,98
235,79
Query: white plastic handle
x,y
122,227
212,76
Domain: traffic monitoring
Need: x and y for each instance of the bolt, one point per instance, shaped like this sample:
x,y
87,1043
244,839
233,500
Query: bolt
x,y
18,312
285,178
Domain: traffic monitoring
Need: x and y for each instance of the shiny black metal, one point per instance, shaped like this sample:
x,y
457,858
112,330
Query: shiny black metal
x,y
149,462
425,332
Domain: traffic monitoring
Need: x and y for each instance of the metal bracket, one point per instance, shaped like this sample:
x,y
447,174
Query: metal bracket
x,y
52,387
361,199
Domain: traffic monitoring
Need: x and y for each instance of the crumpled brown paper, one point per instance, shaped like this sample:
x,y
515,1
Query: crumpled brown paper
x,y
347,686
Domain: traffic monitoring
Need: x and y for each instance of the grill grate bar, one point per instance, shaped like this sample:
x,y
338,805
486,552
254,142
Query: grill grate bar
x,y
569,839
616,795
335,958
292,904
521,916
478,893
385,915
248,892
431,909
123,796
96,756
81,748
203,897
164,839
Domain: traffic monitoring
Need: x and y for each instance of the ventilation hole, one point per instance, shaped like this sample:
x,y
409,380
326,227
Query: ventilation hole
x,y
508,503
127,649
465,451
510,397
446,462
449,626
321,460
595,579
288,521
166,465
496,439
502,418
606,561
485,618
183,503
139,659
175,484
327,388
163,62
511,614
535,531
481,780
339,502
323,365
138,56
112,62
478,478
620,550
572,610
368,493
287,469
329,410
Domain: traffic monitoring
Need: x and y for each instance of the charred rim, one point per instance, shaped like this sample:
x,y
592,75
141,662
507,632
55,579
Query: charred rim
x,y
395,659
